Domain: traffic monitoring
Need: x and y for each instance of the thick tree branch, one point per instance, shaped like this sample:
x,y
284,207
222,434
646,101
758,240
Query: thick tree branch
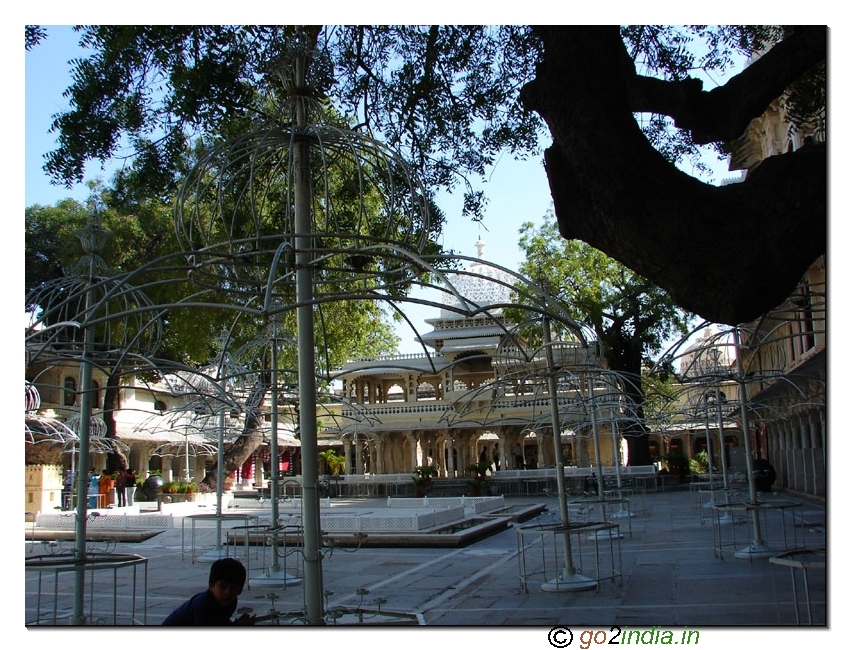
x,y
723,113
727,253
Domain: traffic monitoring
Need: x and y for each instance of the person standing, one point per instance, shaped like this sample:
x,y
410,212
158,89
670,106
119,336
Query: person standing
x,y
519,462
105,484
129,485
120,483
67,490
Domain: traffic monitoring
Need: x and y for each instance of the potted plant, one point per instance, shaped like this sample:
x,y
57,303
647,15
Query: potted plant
x,y
763,475
676,463
334,462
172,487
479,477
699,463
422,479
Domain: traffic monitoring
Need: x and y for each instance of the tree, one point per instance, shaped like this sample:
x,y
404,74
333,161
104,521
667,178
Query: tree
x,y
346,329
453,97
630,316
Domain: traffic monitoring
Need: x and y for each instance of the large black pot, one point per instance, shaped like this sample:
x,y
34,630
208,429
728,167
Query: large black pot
x,y
764,475
152,487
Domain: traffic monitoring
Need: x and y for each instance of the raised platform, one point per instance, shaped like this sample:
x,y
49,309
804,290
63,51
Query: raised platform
x,y
394,521
442,521
130,526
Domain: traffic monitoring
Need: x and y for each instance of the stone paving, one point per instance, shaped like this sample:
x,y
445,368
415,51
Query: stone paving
x,y
674,568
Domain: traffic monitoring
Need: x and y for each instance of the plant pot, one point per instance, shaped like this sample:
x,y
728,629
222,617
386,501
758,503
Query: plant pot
x,y
152,487
764,475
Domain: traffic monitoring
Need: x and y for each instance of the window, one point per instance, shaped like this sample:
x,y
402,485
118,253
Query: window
x,y
95,396
70,391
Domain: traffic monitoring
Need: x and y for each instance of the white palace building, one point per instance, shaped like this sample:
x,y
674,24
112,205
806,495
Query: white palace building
x,y
478,395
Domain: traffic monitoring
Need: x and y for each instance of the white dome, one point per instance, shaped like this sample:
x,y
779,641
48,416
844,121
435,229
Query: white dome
x,y
481,284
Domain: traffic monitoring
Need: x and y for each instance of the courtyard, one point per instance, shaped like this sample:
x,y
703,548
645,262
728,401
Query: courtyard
x,y
670,570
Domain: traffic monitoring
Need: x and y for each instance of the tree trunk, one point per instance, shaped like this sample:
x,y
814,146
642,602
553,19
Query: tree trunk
x,y
115,460
250,440
624,356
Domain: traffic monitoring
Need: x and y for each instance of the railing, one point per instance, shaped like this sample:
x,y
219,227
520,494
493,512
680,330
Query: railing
x,y
102,522
105,575
525,405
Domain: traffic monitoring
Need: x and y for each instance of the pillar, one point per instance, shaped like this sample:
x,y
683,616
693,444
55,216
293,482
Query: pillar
x,y
414,452
358,455
259,477
379,457
346,451
167,474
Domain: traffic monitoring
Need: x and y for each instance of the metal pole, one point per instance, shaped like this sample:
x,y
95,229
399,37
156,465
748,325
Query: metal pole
x,y
569,579
719,406
274,490
708,444
82,485
188,476
556,432
595,429
78,617
313,588
757,547
219,476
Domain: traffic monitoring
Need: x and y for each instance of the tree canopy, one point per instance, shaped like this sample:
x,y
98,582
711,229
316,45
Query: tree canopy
x,y
452,98
630,316
144,233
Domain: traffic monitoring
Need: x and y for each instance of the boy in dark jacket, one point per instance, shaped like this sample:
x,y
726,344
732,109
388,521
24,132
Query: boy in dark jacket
x,y
216,605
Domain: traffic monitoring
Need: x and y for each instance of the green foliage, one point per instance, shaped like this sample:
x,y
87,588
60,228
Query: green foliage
x,y
699,463
422,476
479,476
675,463
425,471
630,316
659,399
49,241
180,487
335,462
445,95
478,470
422,88
33,35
